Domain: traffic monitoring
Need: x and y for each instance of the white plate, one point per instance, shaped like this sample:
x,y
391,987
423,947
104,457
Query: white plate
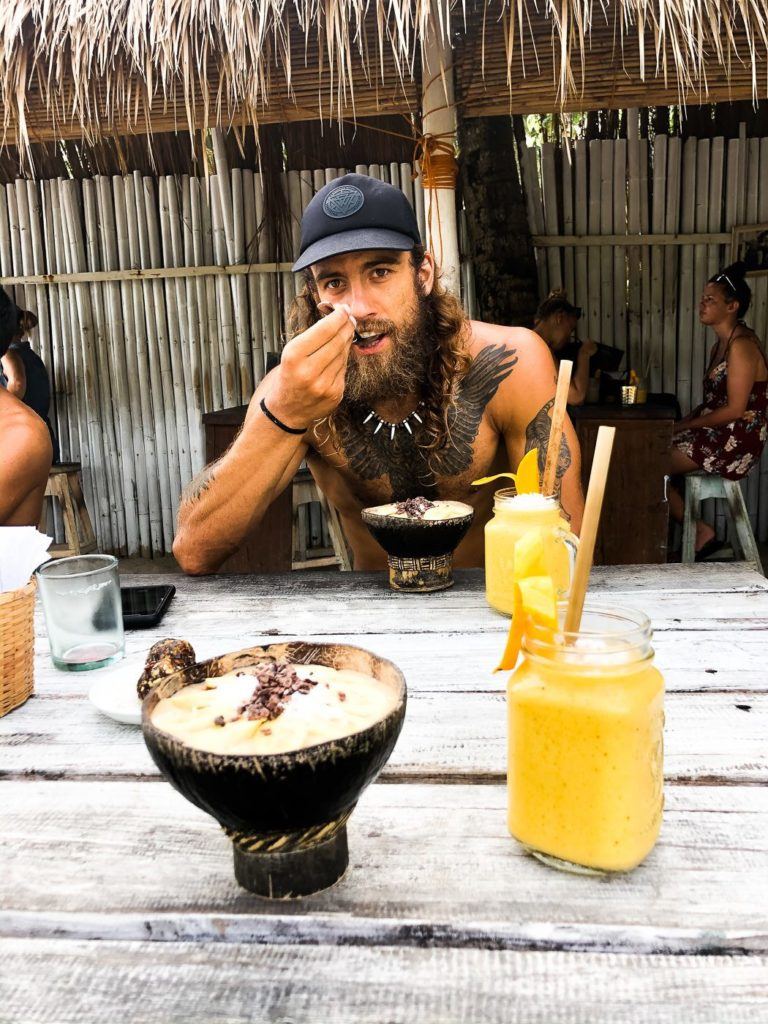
x,y
114,692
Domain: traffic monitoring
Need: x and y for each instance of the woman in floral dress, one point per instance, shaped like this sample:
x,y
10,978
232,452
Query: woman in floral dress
x,y
726,433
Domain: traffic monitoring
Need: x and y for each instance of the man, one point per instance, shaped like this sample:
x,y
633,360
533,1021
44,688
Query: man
x,y
555,322
386,388
25,445
26,376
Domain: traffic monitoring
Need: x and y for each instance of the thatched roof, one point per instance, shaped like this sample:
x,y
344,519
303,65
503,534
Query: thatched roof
x,y
90,68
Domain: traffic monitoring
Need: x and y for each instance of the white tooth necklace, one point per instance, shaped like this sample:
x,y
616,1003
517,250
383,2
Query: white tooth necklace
x,y
394,426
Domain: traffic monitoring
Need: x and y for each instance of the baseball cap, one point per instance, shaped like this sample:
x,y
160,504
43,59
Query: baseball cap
x,y
557,302
353,213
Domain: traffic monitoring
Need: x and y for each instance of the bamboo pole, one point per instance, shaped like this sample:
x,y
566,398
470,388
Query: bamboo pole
x,y
102,361
268,289
178,377
58,378
19,292
163,349
194,255
67,390
88,379
140,274
134,379
227,342
214,344
190,355
251,255
194,323
239,289
154,330
146,370
118,364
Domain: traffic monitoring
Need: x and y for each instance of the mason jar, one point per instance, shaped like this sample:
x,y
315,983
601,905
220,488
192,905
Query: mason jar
x,y
585,747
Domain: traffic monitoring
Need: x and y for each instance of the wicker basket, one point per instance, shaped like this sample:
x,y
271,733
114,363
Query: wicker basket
x,y
17,646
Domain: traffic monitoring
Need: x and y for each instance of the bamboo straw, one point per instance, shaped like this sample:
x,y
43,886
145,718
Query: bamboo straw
x,y
549,477
592,509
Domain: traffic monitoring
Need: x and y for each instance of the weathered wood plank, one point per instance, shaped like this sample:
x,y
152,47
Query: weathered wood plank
x,y
129,861
451,735
177,982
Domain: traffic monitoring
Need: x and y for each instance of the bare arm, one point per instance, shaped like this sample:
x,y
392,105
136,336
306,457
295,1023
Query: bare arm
x,y
25,460
13,368
742,367
227,500
524,405
577,392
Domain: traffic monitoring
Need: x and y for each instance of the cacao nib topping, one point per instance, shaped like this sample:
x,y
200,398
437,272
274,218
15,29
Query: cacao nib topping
x,y
415,507
277,683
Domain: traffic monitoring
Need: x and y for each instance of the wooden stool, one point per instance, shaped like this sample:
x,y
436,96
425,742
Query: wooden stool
x,y
305,490
699,487
64,486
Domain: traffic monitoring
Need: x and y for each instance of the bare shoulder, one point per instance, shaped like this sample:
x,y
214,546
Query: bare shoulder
x,y
26,434
531,375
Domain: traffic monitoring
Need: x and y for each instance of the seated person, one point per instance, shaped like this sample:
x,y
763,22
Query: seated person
x,y
25,444
555,322
726,433
386,388
26,376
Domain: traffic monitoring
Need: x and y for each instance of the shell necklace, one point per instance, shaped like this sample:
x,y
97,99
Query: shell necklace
x,y
393,427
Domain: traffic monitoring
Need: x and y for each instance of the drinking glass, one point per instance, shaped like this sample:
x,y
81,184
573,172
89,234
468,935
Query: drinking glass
x,y
83,613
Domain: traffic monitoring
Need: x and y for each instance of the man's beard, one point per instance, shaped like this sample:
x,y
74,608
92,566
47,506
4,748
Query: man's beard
x,y
401,369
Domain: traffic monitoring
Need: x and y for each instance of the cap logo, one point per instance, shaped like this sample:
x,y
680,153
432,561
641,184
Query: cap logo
x,y
343,201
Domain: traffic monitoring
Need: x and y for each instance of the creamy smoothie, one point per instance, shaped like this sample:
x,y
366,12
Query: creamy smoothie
x,y
424,509
274,708
513,516
585,768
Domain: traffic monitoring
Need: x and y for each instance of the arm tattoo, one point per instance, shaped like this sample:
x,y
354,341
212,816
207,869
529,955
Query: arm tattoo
x,y
373,455
198,485
537,436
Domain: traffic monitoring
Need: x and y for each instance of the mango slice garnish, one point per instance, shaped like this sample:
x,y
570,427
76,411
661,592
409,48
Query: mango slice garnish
x,y
534,596
526,479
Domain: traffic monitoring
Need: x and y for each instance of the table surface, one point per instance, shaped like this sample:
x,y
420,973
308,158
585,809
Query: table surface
x,y
118,898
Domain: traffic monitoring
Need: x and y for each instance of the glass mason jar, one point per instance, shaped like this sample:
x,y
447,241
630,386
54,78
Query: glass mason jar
x,y
585,744
83,611
514,515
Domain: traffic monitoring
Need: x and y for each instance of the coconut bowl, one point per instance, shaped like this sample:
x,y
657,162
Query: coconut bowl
x,y
419,551
286,814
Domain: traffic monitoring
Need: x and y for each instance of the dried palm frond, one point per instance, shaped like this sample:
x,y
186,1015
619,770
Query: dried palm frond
x,y
92,68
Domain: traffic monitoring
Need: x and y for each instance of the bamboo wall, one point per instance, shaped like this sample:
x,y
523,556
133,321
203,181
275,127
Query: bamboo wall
x,y
644,299
136,363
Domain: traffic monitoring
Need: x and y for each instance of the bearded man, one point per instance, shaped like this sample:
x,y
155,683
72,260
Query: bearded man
x,y
386,388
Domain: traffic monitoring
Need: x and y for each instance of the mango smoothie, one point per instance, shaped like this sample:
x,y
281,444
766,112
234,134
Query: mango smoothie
x,y
513,516
585,774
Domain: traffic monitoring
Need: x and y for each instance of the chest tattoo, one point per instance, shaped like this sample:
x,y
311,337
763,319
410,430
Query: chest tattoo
x,y
409,468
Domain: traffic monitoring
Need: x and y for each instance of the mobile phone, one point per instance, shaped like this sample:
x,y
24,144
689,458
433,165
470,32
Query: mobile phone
x,y
145,606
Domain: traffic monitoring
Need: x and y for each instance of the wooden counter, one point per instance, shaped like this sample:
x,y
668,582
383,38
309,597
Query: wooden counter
x,y
635,520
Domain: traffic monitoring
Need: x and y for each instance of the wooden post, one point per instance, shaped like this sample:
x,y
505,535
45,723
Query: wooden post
x,y
439,122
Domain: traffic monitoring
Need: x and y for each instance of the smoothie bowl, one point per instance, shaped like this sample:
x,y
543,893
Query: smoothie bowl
x,y
419,537
277,743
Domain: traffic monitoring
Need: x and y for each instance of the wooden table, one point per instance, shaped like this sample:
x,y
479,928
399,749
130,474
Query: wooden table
x,y
118,900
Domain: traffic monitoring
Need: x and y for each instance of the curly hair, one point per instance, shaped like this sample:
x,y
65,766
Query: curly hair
x,y
447,363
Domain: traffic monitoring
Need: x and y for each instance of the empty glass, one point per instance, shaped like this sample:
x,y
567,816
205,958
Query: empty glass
x,y
83,613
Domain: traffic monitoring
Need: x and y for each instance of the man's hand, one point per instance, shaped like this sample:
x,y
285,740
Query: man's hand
x,y
309,382
588,349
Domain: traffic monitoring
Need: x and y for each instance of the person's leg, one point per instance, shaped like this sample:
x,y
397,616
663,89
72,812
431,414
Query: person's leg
x,y
680,465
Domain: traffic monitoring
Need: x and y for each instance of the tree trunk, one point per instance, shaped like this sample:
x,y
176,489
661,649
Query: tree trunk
x,y
497,222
